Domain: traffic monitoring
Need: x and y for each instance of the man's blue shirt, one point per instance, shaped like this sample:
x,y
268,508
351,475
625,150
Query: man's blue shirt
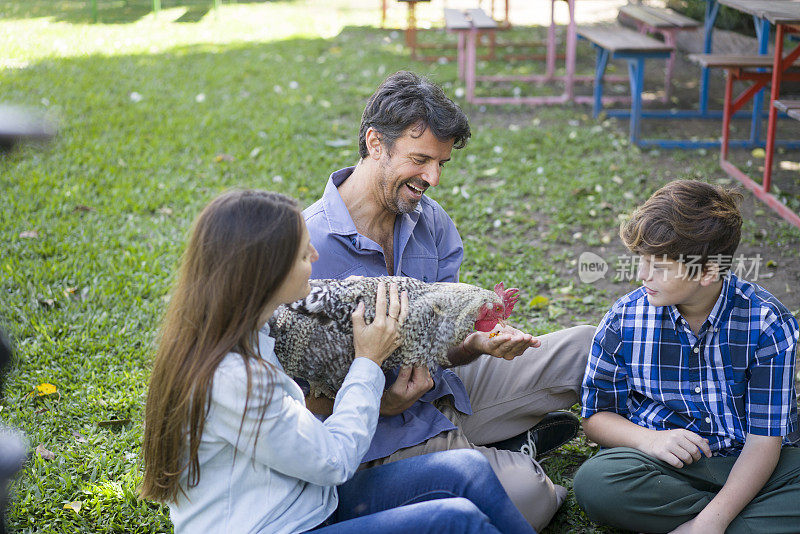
x,y
426,247
736,377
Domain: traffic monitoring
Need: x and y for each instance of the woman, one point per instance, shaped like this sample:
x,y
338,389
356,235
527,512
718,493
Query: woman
x,y
228,441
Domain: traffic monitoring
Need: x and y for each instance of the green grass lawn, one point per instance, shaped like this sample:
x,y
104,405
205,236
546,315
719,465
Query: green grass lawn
x,y
159,114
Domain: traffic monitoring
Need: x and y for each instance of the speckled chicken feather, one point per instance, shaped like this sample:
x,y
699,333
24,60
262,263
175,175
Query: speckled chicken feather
x,y
314,336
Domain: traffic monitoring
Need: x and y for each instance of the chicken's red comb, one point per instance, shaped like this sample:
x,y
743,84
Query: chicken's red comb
x,y
509,297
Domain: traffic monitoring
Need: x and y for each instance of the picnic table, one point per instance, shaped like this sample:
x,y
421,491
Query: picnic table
x,y
785,16
569,78
664,22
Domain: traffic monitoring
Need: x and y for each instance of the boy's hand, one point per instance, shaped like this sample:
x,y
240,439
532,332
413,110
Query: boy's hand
x,y
677,447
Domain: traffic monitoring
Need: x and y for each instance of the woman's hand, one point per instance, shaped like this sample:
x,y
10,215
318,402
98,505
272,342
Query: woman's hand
x,y
381,337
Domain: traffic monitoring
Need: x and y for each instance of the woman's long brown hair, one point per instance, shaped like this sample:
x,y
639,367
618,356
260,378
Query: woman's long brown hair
x,y
241,249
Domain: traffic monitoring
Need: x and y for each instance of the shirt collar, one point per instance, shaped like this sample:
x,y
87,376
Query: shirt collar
x,y
717,312
339,219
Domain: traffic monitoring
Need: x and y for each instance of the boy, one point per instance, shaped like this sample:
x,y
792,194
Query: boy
x,y
690,383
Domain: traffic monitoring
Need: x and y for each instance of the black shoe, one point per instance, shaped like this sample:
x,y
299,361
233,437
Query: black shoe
x,y
554,430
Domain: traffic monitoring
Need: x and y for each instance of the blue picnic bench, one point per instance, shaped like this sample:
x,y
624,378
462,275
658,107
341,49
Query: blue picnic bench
x,y
617,42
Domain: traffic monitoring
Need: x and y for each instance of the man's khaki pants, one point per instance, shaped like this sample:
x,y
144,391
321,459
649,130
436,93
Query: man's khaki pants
x,y
508,398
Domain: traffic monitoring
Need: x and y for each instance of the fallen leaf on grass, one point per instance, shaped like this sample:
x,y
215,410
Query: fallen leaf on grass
x,y
79,438
555,311
75,505
539,302
44,453
223,157
337,143
47,303
29,234
45,389
74,293
163,210
565,290
81,207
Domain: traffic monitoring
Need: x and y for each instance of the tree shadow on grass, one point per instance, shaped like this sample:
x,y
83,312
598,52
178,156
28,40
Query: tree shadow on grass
x,y
193,14
108,11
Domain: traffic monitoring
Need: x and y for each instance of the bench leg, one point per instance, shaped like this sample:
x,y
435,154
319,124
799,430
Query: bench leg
x,y
762,30
712,9
727,112
636,73
471,60
572,50
599,72
411,30
551,41
669,39
775,92
461,54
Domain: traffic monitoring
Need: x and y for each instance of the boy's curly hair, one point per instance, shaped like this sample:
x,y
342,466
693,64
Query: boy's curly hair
x,y
686,219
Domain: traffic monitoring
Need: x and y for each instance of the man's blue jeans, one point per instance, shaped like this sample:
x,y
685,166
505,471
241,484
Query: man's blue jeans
x,y
451,491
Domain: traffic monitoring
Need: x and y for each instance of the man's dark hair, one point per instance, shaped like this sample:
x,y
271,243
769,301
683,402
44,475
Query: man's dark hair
x,y
406,100
686,219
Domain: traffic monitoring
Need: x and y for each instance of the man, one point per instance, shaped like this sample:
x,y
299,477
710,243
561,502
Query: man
x,y
374,219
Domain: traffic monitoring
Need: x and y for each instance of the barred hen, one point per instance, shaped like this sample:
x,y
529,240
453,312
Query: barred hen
x,y
314,336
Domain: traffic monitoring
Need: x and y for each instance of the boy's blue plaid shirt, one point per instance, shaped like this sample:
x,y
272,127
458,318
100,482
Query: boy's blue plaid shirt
x,y
736,377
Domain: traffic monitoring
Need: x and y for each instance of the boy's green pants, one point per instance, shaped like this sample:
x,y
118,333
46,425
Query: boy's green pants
x,y
628,489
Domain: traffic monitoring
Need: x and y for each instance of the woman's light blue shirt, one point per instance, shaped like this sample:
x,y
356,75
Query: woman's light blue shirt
x,y
283,481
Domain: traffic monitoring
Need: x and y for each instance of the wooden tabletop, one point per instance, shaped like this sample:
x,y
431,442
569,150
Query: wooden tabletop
x,y
743,61
775,11
617,39
658,18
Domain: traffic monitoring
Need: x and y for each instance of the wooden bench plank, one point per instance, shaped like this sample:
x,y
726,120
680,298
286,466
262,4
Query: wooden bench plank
x,y
619,39
677,20
732,60
481,20
791,107
786,105
642,15
659,18
455,19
